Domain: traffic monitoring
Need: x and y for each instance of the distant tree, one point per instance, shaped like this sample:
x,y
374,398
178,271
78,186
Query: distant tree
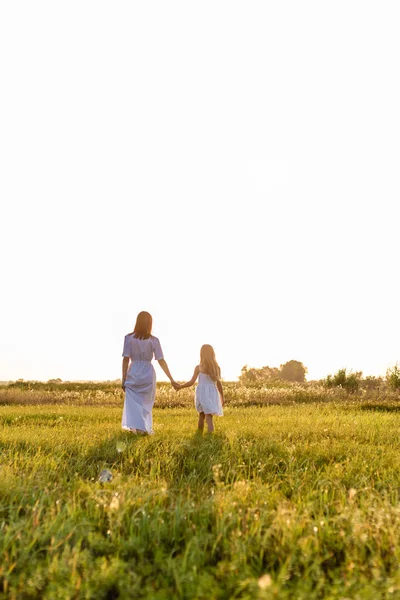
x,y
253,375
393,377
270,373
247,375
58,380
293,370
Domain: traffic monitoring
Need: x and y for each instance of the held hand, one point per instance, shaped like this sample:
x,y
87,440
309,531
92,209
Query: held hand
x,y
175,385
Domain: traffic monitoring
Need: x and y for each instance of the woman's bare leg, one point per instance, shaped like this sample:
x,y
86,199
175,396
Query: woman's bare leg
x,y
200,425
210,424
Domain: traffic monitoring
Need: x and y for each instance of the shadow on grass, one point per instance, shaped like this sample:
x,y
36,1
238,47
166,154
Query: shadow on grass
x,y
380,407
185,464
193,464
188,465
69,461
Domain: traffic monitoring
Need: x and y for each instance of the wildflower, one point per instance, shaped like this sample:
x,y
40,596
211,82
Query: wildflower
x,y
121,447
114,504
352,493
265,581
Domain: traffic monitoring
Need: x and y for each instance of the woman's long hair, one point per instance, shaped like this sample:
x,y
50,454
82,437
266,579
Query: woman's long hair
x,y
144,325
208,363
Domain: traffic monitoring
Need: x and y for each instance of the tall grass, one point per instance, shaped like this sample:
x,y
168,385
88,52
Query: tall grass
x,y
298,501
237,395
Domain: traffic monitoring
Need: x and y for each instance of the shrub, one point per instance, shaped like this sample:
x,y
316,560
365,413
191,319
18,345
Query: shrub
x,y
372,383
393,377
349,381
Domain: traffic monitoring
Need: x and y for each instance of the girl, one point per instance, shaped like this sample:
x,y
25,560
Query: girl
x,y
209,398
139,376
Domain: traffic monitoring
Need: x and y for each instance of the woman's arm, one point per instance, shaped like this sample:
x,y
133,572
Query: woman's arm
x,y
192,381
166,370
221,392
125,364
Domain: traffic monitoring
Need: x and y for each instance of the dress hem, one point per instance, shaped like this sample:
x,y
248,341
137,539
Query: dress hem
x,y
126,428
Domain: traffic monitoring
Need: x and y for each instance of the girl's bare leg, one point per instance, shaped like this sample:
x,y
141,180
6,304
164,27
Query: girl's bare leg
x,y
210,424
201,421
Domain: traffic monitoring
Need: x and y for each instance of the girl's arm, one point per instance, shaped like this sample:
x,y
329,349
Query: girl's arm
x,y
221,392
192,381
165,368
125,363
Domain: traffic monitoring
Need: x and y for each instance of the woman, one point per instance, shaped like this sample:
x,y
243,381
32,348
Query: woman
x,y
139,380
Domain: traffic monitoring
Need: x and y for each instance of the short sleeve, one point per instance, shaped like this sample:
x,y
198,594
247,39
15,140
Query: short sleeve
x,y
158,353
127,347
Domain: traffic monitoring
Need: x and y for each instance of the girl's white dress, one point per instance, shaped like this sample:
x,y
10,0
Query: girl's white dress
x,y
207,399
140,384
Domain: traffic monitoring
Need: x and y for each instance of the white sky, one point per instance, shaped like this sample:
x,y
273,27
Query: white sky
x,y
232,167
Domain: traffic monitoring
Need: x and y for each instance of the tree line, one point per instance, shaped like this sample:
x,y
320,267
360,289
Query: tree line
x,y
294,371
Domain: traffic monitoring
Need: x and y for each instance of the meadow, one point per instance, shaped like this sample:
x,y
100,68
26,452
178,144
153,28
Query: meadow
x,y
296,495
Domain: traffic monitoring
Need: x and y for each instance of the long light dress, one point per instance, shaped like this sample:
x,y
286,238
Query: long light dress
x,y
207,399
140,384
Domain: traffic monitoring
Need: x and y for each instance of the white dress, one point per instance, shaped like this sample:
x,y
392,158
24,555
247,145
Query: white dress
x,y
140,384
207,399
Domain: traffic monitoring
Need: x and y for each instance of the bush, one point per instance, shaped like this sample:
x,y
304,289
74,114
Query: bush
x,y
349,381
393,377
372,383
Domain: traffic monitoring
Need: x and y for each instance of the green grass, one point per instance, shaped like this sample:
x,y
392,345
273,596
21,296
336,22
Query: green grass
x,y
297,501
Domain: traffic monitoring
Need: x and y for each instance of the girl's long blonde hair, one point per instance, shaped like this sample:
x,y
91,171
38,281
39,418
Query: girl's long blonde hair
x,y
208,363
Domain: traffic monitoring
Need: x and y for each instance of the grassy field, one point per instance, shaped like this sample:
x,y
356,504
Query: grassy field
x,y
284,501
237,395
